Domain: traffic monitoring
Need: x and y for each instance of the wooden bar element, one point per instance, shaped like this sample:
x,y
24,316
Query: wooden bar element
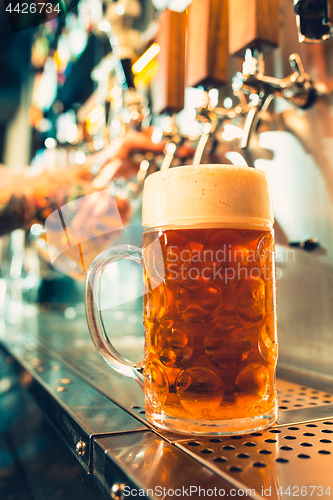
x,y
253,24
168,88
207,43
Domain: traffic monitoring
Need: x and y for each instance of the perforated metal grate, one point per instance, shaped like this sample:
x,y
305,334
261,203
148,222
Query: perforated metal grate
x,y
274,460
294,396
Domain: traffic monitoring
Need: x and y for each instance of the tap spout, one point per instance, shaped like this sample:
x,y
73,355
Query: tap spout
x,y
249,125
296,88
202,144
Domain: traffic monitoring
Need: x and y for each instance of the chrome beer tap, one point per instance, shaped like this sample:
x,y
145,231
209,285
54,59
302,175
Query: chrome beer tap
x,y
207,116
296,88
125,107
213,117
174,140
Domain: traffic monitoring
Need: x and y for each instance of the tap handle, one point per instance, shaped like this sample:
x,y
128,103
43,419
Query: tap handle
x,y
168,85
304,92
207,54
253,24
296,64
309,244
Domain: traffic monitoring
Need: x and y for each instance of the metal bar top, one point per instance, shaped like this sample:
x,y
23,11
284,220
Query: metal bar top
x,y
100,416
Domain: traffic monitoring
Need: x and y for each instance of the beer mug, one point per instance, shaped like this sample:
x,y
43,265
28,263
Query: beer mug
x,y
209,301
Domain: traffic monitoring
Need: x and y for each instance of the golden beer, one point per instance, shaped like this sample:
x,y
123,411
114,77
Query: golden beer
x,y
210,325
210,301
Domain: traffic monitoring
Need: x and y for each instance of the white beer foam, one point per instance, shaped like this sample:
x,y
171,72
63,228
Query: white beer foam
x,y
206,195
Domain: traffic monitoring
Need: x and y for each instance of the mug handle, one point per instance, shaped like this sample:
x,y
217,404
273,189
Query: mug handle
x,y
93,310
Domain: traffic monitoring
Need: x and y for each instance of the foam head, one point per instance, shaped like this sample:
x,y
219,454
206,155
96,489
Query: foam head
x,y
206,195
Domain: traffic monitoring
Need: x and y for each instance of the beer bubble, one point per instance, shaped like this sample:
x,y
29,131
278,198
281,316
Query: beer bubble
x,y
227,320
249,300
155,301
198,300
172,343
228,249
175,257
265,251
267,344
226,348
157,386
227,290
253,380
200,391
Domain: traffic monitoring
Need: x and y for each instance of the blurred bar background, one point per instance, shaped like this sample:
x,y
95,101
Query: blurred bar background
x,y
241,82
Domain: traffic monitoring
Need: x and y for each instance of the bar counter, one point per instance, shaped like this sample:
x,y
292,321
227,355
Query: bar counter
x,y
76,429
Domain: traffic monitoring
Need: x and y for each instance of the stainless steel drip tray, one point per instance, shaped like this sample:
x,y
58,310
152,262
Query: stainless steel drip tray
x,y
294,458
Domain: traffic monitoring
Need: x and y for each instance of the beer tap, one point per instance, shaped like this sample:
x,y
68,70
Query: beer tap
x,y
207,65
125,107
130,113
168,85
296,88
169,133
167,92
206,114
125,40
214,117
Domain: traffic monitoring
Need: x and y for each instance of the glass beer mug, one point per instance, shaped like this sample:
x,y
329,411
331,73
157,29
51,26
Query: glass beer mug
x,y
209,301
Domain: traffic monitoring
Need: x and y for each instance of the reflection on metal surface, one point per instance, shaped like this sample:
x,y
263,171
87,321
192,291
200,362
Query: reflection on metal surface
x,y
274,460
79,414
61,389
80,448
305,415
69,344
65,381
155,464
